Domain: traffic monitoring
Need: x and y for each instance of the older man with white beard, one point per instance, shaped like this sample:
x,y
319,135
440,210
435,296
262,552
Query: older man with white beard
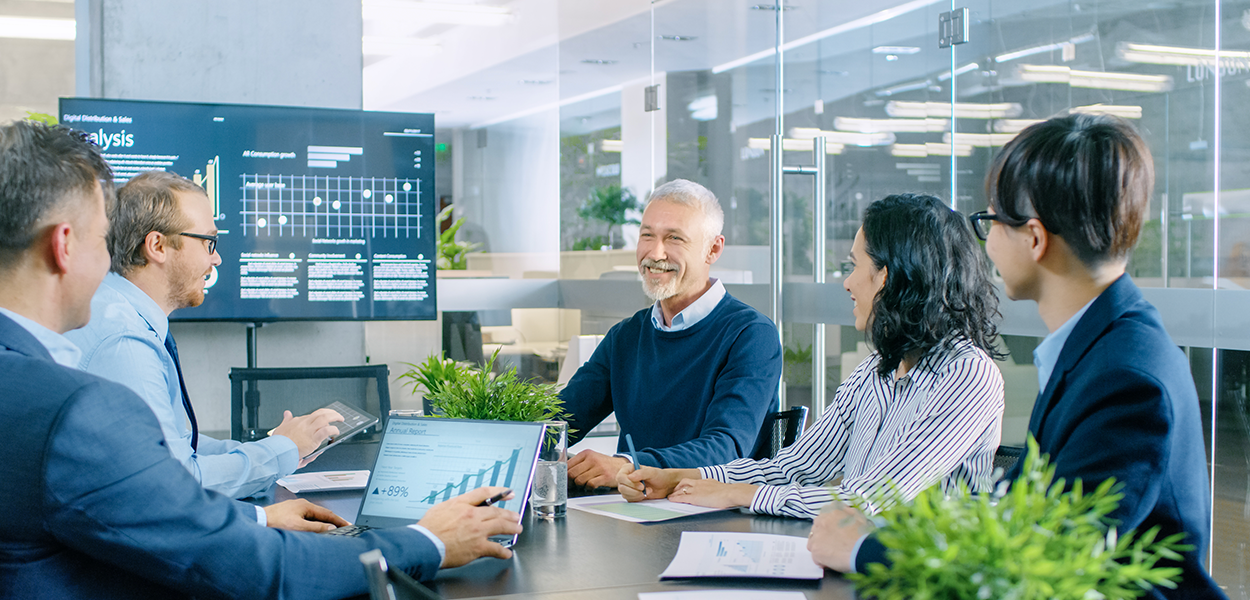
x,y
691,377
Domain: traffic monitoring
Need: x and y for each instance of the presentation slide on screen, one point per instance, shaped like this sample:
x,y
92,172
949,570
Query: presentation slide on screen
x,y
322,214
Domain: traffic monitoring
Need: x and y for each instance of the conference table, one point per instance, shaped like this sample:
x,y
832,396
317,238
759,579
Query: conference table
x,y
582,555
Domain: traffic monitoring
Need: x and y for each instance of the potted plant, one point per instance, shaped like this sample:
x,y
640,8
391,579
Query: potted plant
x,y
459,391
1034,541
611,205
451,253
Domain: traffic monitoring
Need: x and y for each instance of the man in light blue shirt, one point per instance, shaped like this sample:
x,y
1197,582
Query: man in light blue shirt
x,y
163,243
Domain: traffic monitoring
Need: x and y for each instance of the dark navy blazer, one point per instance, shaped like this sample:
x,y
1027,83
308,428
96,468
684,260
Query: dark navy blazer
x,y
97,507
1121,403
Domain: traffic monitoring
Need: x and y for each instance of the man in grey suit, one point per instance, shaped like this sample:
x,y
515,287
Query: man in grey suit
x,y
102,509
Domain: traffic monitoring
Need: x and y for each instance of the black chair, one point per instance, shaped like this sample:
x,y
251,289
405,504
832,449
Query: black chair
x,y
385,584
780,430
302,390
1006,457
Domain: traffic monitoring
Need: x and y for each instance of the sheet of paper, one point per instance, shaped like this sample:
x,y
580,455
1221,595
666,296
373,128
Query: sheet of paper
x,y
715,554
325,481
647,511
723,595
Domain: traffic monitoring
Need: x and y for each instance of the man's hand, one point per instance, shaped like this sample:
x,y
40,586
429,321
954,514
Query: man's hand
x,y
649,483
834,535
589,468
309,430
713,494
465,527
302,515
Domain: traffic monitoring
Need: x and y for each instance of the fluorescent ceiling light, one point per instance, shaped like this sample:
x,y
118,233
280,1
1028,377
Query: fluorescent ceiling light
x,y
895,50
962,110
793,145
1128,82
877,17
879,125
1124,112
1014,125
904,87
959,71
612,146
432,13
703,109
1002,58
984,140
844,137
374,45
1173,55
930,149
30,28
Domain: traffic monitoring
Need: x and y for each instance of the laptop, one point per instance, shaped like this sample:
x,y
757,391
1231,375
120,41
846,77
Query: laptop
x,y
423,461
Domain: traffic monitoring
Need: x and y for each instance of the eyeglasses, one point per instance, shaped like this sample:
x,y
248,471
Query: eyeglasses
x,y
211,239
981,226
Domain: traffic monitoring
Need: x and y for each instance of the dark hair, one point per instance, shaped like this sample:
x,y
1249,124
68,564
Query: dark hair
x,y
937,287
147,203
1088,178
45,173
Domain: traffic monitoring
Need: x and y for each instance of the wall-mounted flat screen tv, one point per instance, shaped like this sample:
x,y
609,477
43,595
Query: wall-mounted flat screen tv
x,y
322,214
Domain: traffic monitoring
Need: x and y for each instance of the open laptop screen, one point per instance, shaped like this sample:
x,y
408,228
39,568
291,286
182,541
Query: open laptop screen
x,y
424,461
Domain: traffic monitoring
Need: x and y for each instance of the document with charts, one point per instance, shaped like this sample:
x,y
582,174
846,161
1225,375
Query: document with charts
x,y
724,554
647,511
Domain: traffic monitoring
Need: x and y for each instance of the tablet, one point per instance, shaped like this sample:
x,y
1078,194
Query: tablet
x,y
354,421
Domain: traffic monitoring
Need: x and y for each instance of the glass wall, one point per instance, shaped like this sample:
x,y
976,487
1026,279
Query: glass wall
x,y
620,96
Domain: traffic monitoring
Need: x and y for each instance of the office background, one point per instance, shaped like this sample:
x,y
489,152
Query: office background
x,y
541,104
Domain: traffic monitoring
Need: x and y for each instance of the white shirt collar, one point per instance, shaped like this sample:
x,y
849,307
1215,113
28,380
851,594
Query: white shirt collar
x,y
1046,355
697,311
63,351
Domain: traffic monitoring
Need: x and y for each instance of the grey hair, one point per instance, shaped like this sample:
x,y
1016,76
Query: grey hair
x,y
689,193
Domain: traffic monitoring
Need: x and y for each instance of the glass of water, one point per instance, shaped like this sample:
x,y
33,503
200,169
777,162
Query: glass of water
x,y
550,493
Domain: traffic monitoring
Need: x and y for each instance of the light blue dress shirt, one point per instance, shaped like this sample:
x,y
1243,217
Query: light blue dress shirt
x,y
697,311
63,351
125,342
1047,353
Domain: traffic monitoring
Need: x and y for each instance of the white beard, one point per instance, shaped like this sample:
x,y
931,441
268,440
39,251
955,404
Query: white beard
x,y
659,291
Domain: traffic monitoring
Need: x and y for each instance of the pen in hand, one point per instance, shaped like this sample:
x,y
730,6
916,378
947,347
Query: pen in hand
x,y
633,455
496,498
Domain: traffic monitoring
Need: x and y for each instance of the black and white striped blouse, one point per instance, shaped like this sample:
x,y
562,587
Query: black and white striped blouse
x,y
942,421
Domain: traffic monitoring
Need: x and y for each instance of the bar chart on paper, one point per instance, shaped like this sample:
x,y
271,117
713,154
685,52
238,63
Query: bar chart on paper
x,y
329,206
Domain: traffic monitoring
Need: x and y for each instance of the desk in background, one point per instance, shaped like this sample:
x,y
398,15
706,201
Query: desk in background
x,y
583,555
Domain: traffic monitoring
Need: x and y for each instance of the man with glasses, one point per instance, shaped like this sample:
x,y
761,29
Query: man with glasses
x,y
163,243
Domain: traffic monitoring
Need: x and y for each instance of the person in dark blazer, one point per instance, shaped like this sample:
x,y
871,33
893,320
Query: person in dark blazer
x,y
97,506
1067,200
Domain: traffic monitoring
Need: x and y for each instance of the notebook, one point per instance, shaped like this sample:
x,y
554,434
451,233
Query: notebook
x,y
423,461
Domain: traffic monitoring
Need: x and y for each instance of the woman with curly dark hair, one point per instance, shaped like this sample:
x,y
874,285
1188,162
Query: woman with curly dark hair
x,y
924,408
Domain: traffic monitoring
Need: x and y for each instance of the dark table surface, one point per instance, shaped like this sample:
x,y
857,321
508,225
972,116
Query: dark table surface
x,y
582,555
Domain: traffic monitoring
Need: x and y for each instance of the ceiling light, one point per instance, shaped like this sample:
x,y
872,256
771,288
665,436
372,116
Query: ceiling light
x,y
1173,55
793,145
930,149
1128,82
772,7
895,50
896,125
1124,112
962,110
612,146
984,140
374,45
537,81
1001,58
431,13
678,38
598,61
851,138
31,28
959,71
903,87
1014,125
703,109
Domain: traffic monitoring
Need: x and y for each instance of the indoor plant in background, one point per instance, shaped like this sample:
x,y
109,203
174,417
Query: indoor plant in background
x,y
611,205
451,253
1035,540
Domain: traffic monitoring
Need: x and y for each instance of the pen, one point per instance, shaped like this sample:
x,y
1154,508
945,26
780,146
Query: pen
x,y
633,454
496,498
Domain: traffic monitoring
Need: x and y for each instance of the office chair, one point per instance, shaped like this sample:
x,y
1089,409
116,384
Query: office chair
x,y
302,390
1006,457
385,584
780,430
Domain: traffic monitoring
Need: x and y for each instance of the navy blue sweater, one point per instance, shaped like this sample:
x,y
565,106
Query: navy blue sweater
x,y
689,398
